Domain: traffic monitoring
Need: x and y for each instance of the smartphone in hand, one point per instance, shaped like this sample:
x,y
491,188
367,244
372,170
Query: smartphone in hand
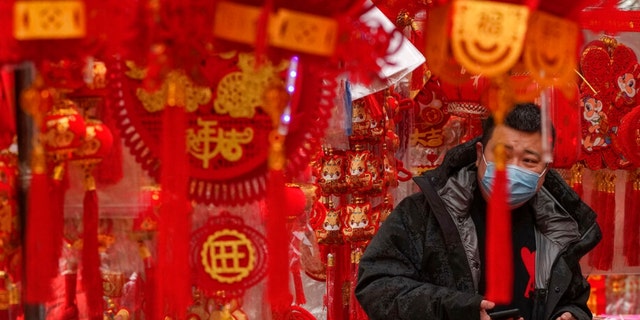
x,y
505,314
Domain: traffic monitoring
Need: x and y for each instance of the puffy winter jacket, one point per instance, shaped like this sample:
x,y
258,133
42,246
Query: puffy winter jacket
x,y
424,263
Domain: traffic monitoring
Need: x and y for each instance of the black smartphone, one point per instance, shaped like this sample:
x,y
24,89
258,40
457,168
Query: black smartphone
x,y
505,314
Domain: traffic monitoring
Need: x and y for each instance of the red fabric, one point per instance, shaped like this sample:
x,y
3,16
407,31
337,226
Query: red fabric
x,y
499,255
277,243
631,235
610,20
173,289
91,276
41,260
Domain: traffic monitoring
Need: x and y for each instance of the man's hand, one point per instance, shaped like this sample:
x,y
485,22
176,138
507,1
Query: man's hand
x,y
484,306
566,316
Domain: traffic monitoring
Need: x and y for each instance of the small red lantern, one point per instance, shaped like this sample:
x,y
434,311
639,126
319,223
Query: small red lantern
x,y
146,223
96,145
63,129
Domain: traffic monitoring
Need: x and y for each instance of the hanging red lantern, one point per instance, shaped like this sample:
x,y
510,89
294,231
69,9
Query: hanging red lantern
x,y
96,146
63,130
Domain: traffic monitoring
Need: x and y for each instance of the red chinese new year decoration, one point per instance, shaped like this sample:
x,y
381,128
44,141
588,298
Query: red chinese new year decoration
x,y
227,256
96,145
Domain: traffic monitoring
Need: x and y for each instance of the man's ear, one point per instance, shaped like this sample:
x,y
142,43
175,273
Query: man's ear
x,y
479,150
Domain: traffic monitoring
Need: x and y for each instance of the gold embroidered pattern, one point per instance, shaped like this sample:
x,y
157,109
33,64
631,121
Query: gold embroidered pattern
x,y
241,92
176,90
211,140
228,256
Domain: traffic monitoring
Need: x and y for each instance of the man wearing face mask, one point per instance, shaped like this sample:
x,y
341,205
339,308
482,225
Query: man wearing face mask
x,y
427,259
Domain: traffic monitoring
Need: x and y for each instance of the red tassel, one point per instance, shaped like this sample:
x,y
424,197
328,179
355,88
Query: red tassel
x,y
70,311
333,306
576,179
278,244
174,226
41,260
355,310
149,282
91,276
499,255
603,200
59,186
631,248
297,283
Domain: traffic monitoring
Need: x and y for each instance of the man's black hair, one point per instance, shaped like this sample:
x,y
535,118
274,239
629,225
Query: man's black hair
x,y
522,117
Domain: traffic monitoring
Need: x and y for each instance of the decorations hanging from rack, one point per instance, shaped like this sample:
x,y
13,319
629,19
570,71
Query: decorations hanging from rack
x,y
227,132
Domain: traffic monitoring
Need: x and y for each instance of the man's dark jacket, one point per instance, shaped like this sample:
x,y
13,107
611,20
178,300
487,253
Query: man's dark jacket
x,y
424,263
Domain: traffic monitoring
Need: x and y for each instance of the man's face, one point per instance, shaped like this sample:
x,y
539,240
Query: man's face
x,y
522,149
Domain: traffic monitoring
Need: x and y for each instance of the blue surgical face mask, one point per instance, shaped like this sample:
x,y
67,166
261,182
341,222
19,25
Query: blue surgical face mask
x,y
522,182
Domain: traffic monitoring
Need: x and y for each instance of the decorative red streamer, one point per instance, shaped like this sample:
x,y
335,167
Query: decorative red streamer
x,y
631,247
41,260
499,255
91,276
173,290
